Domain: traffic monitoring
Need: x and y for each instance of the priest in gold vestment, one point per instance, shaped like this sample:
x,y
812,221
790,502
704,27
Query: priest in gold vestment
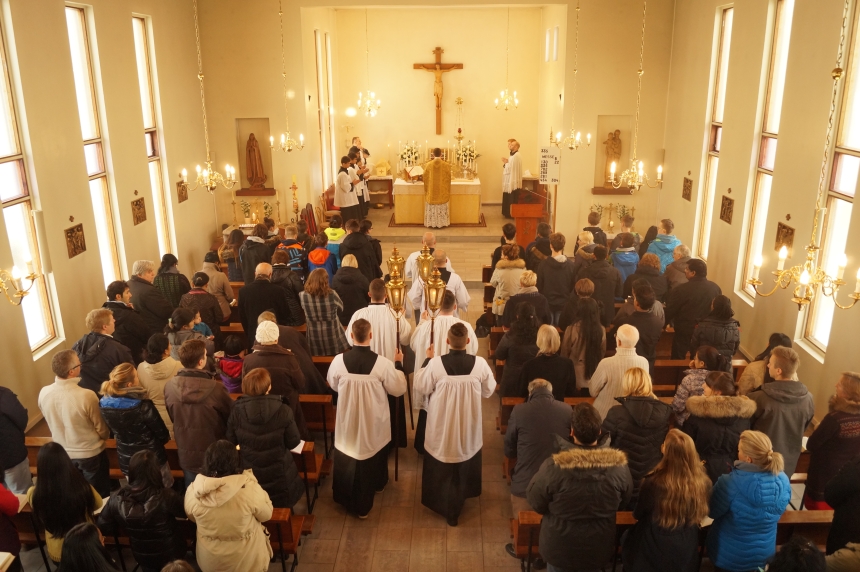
x,y
437,191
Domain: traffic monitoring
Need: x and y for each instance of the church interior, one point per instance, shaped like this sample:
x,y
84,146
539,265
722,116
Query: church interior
x,y
702,89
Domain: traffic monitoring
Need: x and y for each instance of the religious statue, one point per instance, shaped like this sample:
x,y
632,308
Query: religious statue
x,y
437,86
613,154
254,164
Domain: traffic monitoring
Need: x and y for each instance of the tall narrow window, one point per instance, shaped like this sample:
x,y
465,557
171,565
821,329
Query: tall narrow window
x,y
329,106
16,205
94,153
322,114
715,130
144,56
767,146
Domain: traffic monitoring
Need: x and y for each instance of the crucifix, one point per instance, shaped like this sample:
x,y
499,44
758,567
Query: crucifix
x,y
438,68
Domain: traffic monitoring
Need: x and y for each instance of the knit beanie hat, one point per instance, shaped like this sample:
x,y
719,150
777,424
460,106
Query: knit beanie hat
x,y
268,333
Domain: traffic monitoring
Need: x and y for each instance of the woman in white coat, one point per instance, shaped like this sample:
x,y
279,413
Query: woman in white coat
x,y
229,507
506,279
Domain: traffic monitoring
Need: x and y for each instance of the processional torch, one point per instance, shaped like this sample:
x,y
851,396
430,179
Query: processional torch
x,y
396,288
434,290
425,262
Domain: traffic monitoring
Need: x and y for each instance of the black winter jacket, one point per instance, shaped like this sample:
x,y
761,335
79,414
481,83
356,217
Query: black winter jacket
x,y
252,253
516,353
715,424
607,287
136,425
352,286
13,422
724,335
149,517
259,296
688,303
99,354
537,252
638,427
131,329
359,245
154,308
654,278
843,494
578,491
556,369
199,300
265,430
556,280
290,281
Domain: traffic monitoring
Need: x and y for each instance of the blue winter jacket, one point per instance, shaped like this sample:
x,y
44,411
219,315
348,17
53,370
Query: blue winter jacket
x,y
746,505
664,247
625,261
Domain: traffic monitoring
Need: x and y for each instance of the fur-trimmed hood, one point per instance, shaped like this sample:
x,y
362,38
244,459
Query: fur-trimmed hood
x,y
507,264
589,458
721,406
844,405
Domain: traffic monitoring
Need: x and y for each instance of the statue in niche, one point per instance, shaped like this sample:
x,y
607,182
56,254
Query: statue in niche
x,y
254,164
613,155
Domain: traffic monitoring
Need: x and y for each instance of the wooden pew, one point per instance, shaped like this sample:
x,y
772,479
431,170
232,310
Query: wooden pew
x,y
320,415
525,532
671,371
486,273
285,532
489,294
322,364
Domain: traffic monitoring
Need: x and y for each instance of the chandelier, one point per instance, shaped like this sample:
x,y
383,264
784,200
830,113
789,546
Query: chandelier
x,y
367,102
287,143
634,176
506,98
574,140
16,285
808,278
207,177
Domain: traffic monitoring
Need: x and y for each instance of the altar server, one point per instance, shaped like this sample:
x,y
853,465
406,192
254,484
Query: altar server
x,y
345,196
455,384
512,178
359,171
453,283
363,380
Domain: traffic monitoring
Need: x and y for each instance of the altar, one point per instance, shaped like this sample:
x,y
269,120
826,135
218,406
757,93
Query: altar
x,y
464,208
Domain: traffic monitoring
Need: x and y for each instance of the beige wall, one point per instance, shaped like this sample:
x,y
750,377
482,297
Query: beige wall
x,y
812,54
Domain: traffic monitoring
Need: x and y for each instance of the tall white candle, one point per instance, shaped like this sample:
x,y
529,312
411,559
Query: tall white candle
x,y
857,287
783,254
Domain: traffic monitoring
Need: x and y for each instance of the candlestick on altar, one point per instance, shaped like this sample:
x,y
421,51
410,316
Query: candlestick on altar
x,y
295,200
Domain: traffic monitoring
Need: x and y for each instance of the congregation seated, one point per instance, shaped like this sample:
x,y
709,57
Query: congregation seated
x,y
607,381
624,257
260,296
517,347
675,272
130,329
756,373
548,364
228,253
664,243
321,257
509,237
323,307
527,292
689,303
170,282
157,369
647,322
205,306
352,287
98,352
556,276
254,251
180,329
219,284
290,280
506,278
718,329
706,361
584,341
648,269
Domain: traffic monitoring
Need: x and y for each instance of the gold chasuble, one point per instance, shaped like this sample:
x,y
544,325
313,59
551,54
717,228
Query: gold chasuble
x,y
437,182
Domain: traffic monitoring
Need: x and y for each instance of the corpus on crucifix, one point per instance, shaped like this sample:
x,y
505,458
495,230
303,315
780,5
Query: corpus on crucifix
x,y
438,68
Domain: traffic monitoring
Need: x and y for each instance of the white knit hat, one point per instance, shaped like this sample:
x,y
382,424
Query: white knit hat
x,y
268,333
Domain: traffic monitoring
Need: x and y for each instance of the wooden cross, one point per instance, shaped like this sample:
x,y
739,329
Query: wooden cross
x,y
438,68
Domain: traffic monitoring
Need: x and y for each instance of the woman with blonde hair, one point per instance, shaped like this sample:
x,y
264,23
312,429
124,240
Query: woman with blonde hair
x,y
648,269
527,292
549,364
638,426
506,279
352,286
583,255
322,307
133,419
746,505
673,501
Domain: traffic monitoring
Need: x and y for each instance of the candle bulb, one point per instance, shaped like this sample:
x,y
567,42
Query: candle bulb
x,y
857,287
28,261
16,278
804,282
184,175
659,173
612,168
783,254
588,138
843,262
294,179
757,261
271,140
301,139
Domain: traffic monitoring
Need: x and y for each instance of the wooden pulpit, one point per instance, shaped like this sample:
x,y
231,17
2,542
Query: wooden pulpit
x,y
527,216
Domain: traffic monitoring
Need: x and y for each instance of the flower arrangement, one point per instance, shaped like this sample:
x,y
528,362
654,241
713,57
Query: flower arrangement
x,y
267,210
466,153
597,209
622,211
409,154
246,208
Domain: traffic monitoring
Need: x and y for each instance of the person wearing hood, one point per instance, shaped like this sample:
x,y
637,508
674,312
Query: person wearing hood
x,y
717,419
254,251
98,351
352,287
578,490
146,511
170,282
199,407
200,301
263,428
506,278
157,369
260,296
689,303
219,284
607,281
360,247
539,249
133,419
322,257
638,426
648,269
131,329
625,258
835,441
292,282
556,276
674,273
527,292
664,244
756,374
705,360
229,507
784,408
718,329
286,377
746,505
584,254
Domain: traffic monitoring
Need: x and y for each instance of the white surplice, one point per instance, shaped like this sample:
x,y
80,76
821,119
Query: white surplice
x,y
363,423
455,285
410,267
421,341
454,431
384,329
512,176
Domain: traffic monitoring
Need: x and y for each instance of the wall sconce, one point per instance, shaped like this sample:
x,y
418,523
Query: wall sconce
x,y
15,285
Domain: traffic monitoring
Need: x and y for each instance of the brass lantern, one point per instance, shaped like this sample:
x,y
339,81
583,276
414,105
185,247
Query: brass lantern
x,y
395,289
434,290
426,262
396,263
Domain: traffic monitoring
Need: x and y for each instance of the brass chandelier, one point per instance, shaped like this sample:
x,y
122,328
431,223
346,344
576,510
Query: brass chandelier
x,y
368,102
207,177
507,99
574,140
808,278
634,176
287,143
16,285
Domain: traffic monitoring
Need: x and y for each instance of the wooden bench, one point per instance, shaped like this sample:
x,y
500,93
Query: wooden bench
x,y
285,532
322,364
486,273
671,371
489,295
320,415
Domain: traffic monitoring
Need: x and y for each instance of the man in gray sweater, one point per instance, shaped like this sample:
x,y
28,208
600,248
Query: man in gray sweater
x,y
784,407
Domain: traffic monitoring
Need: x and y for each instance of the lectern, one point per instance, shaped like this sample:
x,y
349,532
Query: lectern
x,y
527,217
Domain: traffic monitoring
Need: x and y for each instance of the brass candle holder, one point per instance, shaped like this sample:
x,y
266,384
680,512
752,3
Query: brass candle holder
x,y
434,290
